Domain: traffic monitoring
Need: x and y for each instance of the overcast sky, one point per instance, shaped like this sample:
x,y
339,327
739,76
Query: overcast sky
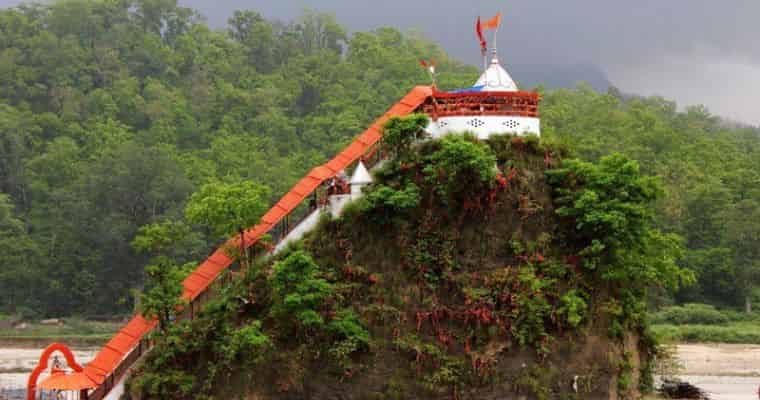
x,y
693,51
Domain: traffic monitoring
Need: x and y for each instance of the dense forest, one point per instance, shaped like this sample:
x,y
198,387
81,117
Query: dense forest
x,y
114,112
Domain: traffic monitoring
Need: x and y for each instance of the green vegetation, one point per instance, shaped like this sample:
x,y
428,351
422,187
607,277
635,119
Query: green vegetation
x,y
72,330
300,292
708,173
461,166
228,209
695,314
702,323
734,332
162,297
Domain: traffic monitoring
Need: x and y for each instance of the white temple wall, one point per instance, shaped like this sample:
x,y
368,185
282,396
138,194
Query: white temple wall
x,y
338,202
484,126
300,230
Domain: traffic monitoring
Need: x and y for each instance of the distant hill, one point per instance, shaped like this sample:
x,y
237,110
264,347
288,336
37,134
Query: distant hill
x,y
556,76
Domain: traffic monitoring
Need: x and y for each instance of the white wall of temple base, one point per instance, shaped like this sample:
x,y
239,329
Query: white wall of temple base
x,y
300,230
485,126
337,203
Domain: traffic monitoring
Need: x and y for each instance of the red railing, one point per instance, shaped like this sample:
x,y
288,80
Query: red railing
x,y
515,104
130,343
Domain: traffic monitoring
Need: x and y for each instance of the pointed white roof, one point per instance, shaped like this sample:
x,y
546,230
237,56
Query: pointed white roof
x,y
496,79
361,175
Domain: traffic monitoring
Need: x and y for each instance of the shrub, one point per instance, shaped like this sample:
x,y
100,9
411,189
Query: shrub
x,y
384,203
690,314
249,342
299,290
349,335
462,164
573,307
744,333
401,132
348,326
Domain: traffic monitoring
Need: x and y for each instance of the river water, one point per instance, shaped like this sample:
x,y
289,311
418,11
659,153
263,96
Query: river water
x,y
727,372
726,387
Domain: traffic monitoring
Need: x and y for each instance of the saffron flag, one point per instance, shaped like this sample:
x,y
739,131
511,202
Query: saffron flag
x,y
430,66
493,23
479,31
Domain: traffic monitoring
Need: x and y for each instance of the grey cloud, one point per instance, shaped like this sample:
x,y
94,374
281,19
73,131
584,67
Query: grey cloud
x,y
604,31
678,44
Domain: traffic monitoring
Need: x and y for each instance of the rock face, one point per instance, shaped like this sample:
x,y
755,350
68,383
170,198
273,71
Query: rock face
x,y
465,304
447,280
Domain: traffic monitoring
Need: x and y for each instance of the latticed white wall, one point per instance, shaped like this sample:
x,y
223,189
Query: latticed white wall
x,y
484,126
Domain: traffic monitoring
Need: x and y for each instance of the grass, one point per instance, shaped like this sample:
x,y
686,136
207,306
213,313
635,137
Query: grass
x,y
73,330
702,323
732,332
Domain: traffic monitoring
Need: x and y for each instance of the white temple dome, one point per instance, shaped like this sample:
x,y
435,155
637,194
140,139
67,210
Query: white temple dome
x,y
496,79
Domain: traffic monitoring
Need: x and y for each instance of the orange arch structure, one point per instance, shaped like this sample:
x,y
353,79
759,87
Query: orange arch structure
x,y
42,365
128,345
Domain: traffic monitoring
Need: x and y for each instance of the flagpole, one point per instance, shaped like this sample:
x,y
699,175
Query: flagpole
x,y
495,51
495,31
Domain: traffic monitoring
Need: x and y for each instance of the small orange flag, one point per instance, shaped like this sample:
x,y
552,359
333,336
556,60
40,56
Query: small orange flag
x,y
493,23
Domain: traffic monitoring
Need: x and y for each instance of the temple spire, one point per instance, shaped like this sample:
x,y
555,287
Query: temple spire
x,y
495,78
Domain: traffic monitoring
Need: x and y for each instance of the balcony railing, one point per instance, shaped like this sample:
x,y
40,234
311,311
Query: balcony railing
x,y
513,104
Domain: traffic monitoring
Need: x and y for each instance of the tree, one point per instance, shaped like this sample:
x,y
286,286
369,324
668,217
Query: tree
x,y
17,277
228,208
609,215
742,233
174,239
317,32
463,165
300,290
254,32
162,297
400,133
15,129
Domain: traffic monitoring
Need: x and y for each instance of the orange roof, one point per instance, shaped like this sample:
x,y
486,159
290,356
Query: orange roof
x,y
122,342
71,382
128,337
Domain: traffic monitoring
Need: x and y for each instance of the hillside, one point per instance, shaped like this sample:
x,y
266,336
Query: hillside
x,y
561,76
469,270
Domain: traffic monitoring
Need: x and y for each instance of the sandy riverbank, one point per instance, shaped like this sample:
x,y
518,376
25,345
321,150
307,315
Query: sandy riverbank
x,y
720,359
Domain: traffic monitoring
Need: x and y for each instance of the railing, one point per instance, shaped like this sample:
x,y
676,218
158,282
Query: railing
x,y
112,380
518,104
